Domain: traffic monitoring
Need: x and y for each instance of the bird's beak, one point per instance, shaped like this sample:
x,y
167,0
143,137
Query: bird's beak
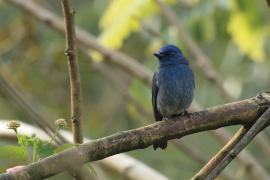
x,y
157,54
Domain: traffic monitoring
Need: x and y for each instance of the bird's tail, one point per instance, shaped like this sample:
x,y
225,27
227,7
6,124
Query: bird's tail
x,y
161,144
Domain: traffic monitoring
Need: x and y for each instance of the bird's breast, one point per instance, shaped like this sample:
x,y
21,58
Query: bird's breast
x,y
176,85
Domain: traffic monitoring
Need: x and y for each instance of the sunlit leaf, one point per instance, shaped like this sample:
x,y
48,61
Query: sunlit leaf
x,y
13,153
246,30
121,19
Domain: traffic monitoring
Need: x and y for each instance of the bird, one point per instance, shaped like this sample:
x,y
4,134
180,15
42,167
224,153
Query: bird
x,y
172,86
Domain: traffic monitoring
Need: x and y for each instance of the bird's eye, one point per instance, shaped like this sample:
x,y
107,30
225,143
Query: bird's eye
x,y
171,53
166,53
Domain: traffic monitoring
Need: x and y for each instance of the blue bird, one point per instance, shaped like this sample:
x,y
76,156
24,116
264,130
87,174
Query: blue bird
x,y
172,86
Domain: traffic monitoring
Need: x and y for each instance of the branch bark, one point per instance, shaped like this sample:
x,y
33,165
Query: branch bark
x,y
249,163
258,126
74,77
242,112
215,160
73,67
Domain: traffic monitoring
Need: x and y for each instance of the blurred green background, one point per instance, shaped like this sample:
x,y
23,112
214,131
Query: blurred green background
x,y
234,34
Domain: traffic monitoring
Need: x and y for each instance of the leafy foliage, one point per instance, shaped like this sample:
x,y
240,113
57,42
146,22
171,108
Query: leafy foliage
x,y
121,18
246,28
40,149
13,152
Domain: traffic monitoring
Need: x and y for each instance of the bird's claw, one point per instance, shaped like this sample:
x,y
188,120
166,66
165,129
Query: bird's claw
x,y
166,119
185,113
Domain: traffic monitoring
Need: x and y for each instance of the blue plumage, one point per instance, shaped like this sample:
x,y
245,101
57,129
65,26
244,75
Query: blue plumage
x,y
172,86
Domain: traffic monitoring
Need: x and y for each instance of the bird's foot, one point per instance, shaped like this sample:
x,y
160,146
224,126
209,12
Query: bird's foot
x,y
185,113
166,119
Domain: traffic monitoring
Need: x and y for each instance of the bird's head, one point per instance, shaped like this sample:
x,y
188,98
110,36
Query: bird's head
x,y
170,54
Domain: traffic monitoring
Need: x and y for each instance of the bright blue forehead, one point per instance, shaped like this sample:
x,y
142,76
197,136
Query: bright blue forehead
x,y
169,48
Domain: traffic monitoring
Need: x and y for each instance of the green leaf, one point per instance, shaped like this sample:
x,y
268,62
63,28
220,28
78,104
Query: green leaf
x,y
247,30
43,149
121,18
22,140
62,148
13,153
26,140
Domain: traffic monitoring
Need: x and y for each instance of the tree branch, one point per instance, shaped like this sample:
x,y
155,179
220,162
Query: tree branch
x,y
215,160
75,82
242,112
245,158
258,126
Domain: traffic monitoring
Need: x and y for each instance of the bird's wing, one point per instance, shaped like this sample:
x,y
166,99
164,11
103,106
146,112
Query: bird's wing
x,y
158,116
193,78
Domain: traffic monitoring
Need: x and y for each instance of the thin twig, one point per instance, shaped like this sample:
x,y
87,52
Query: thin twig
x,y
242,112
202,60
75,82
74,76
211,164
245,140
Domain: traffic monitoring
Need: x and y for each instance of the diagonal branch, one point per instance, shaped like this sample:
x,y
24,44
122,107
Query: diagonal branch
x,y
245,140
242,112
248,162
215,160
73,67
